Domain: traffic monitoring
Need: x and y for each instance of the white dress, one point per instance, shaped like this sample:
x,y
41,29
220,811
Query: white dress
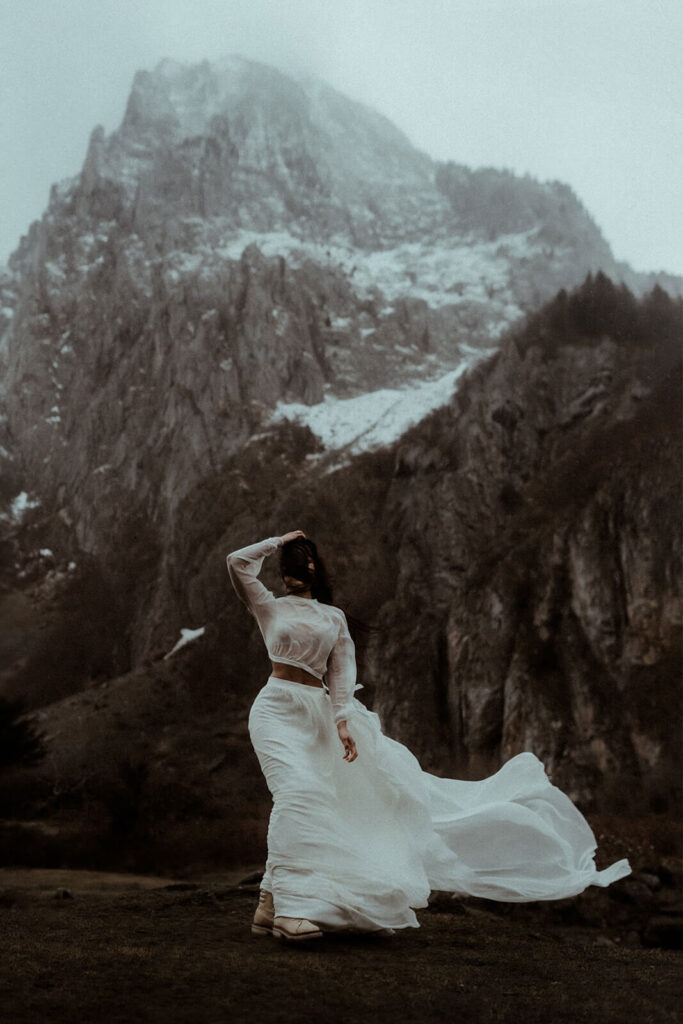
x,y
361,845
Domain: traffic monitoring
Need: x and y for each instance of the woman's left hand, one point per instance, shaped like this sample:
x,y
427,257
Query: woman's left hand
x,y
350,752
293,535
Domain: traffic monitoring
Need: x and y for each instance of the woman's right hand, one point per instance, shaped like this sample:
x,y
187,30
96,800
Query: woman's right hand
x,y
348,742
286,537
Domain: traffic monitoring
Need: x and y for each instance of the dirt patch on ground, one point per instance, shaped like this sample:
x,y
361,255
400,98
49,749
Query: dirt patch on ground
x,y
142,952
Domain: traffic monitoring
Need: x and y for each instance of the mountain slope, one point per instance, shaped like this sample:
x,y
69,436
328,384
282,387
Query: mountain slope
x,y
518,553
245,241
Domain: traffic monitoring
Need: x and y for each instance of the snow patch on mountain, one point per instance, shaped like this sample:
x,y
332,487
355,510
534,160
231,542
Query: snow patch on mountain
x,y
470,272
377,418
22,504
187,636
439,273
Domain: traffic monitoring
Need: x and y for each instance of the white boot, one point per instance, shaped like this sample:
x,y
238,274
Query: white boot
x,y
263,918
294,929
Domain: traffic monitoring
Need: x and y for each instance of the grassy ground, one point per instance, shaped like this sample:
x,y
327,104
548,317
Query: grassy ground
x,y
123,950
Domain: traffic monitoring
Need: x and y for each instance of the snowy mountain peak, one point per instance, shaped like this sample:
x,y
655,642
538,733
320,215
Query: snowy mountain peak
x,y
250,246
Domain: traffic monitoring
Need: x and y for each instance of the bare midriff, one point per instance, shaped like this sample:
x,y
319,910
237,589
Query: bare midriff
x,y
294,674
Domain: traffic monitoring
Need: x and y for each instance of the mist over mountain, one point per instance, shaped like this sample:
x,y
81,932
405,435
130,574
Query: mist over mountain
x,y
259,308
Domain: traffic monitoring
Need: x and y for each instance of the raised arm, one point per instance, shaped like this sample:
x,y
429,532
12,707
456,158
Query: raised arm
x,y
341,673
244,566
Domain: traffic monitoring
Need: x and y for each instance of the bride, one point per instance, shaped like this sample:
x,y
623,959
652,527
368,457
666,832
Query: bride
x,y
359,835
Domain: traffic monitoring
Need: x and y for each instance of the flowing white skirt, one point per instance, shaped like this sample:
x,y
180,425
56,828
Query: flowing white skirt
x,y
361,845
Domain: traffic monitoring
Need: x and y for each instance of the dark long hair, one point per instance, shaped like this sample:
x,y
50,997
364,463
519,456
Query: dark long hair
x,y
294,558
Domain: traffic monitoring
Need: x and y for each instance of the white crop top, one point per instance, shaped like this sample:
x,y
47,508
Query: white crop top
x,y
298,630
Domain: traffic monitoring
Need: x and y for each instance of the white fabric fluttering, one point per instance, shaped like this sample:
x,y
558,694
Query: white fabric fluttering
x,y
361,845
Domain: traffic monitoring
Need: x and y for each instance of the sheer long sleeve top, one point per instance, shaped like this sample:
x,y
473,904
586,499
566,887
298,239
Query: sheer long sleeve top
x,y
298,630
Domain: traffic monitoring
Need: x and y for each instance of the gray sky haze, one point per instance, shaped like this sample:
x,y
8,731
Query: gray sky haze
x,y
584,91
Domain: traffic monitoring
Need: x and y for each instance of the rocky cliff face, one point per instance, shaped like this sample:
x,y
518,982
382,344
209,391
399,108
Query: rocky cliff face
x,y
243,242
537,518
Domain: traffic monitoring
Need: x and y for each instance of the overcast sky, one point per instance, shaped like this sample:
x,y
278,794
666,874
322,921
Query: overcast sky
x,y
585,91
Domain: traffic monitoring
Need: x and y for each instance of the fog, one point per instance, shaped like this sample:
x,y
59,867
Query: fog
x,y
585,91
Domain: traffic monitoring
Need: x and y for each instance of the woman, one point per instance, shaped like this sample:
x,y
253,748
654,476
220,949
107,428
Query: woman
x,y
358,840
